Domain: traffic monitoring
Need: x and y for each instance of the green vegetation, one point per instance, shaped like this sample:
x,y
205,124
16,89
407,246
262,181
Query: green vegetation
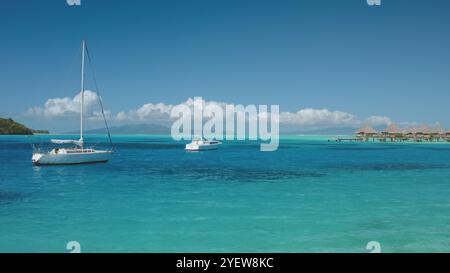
x,y
10,127
41,132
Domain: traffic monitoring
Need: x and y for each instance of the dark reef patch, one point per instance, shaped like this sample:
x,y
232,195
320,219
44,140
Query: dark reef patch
x,y
388,167
9,197
233,173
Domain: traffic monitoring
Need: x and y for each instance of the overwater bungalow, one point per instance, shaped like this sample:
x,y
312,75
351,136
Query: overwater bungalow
x,y
410,133
423,133
366,133
437,133
393,133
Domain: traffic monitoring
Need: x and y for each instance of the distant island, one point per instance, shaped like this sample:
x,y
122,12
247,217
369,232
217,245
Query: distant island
x,y
10,127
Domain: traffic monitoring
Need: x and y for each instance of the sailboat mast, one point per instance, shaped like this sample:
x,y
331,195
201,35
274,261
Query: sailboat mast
x,y
82,92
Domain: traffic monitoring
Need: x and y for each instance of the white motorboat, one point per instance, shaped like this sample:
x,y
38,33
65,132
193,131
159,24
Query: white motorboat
x,y
78,154
203,145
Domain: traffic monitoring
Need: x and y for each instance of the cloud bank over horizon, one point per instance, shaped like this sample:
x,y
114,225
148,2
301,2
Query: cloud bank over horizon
x,y
69,107
159,113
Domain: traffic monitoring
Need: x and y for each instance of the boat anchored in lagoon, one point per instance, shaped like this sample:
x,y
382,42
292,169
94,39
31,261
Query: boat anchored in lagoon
x,y
203,145
79,154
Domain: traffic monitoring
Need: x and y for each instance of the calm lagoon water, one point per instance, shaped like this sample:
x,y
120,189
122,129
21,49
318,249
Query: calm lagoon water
x,y
309,196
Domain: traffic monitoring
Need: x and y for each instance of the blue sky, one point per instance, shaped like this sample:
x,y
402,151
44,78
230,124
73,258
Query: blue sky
x,y
391,61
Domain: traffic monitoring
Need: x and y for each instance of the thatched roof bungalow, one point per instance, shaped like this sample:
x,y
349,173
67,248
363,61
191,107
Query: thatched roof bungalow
x,y
410,132
392,130
366,131
395,134
422,130
438,131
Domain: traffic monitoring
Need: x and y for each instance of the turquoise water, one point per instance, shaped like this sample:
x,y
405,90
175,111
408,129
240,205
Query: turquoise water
x,y
309,196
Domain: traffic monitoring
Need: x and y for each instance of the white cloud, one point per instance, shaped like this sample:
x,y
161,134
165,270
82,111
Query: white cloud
x,y
157,112
147,111
307,118
60,107
304,118
378,121
98,116
318,118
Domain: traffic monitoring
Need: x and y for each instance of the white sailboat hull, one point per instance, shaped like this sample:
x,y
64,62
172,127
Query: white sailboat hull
x,y
70,158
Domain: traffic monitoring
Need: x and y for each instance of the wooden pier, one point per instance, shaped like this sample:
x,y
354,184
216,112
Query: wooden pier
x,y
346,139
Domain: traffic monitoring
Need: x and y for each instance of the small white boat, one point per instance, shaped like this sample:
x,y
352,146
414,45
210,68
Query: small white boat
x,y
203,145
79,154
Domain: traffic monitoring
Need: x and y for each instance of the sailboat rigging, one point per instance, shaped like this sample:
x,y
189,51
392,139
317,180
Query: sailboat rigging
x,y
79,154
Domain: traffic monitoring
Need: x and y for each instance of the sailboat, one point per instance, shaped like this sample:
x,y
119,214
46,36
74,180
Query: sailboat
x,y
78,154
